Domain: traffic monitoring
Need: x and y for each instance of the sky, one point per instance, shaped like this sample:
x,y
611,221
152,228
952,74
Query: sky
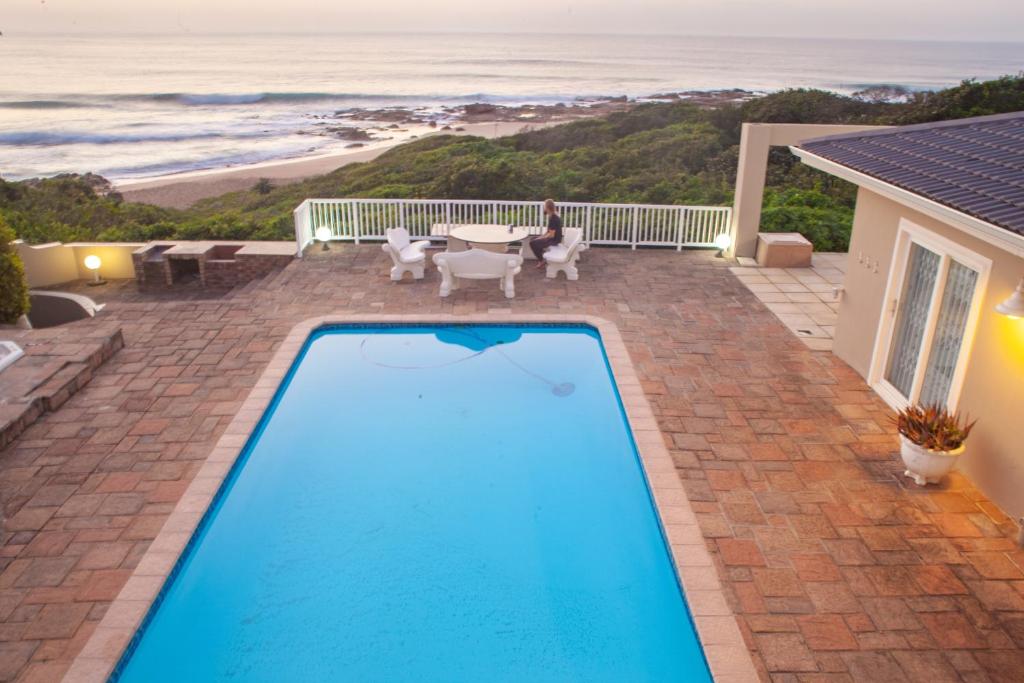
x,y
976,20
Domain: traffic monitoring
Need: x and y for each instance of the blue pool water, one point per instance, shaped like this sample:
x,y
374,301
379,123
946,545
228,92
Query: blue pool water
x,y
430,504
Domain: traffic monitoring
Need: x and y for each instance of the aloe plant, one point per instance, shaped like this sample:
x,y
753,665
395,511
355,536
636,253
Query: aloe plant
x,y
933,427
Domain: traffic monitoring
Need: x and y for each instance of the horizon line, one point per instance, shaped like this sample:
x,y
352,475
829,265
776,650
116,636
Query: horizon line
x,y
266,32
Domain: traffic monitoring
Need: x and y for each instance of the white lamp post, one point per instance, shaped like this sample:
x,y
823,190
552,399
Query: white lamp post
x,y
1013,307
93,263
323,234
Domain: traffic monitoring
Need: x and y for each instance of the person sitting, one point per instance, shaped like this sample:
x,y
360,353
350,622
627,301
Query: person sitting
x,y
550,238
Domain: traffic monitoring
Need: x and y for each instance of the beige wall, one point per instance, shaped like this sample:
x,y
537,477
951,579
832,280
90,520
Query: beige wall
x,y
116,258
993,390
756,139
47,264
52,264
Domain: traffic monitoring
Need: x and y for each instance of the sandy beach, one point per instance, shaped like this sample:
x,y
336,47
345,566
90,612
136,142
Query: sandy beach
x,y
182,190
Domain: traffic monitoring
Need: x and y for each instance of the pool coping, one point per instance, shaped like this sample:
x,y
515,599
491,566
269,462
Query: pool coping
x,y
726,652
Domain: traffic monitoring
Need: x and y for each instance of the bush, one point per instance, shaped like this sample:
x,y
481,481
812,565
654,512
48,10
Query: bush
x,y
13,288
815,215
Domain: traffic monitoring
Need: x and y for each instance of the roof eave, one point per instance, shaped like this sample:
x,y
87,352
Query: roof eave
x,y
1002,238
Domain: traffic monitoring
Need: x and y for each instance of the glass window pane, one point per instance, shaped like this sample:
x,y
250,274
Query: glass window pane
x,y
949,334
911,318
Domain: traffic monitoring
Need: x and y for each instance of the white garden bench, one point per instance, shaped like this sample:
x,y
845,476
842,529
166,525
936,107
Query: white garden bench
x,y
408,257
562,257
478,264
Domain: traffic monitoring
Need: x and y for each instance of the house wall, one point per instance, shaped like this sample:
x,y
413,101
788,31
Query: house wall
x,y
993,390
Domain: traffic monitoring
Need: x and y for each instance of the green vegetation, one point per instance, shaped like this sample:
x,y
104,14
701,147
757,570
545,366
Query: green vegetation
x,y
13,288
657,153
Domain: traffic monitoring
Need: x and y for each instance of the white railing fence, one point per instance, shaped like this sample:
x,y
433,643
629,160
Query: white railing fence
x,y
632,225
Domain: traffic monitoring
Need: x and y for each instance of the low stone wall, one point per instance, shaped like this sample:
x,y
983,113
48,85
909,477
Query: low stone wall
x,y
219,264
58,362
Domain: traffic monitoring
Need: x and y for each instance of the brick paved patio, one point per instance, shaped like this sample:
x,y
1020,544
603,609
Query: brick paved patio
x,y
837,568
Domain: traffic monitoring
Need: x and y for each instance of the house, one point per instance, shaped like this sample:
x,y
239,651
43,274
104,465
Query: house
x,y
937,245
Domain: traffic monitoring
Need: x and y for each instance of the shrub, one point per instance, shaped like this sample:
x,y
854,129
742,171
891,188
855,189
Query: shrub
x,y
13,288
933,427
824,221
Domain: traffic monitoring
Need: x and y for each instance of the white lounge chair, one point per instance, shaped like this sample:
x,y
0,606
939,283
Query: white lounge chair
x,y
407,256
562,257
478,264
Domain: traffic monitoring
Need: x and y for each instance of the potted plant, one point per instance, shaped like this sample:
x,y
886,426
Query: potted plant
x,y
931,439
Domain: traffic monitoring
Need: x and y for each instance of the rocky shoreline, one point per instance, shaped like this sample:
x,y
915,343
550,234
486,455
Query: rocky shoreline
x,y
362,125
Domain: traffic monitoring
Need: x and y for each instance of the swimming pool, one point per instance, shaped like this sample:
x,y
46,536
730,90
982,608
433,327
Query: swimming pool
x,y
430,503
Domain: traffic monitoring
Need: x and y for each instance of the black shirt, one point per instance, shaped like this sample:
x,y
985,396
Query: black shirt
x,y
555,223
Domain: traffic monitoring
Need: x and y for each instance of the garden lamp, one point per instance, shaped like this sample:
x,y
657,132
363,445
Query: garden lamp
x,y
93,263
723,241
323,234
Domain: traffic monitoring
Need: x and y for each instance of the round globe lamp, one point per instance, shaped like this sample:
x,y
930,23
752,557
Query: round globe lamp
x,y
722,242
93,263
323,235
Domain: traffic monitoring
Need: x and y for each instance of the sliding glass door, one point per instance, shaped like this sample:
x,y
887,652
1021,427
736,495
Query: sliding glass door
x,y
933,300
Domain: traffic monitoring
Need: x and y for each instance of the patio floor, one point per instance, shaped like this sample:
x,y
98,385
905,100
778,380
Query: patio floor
x,y
838,569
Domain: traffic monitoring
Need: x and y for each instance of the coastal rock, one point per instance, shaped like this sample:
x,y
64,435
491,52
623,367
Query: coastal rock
x,y
479,109
348,133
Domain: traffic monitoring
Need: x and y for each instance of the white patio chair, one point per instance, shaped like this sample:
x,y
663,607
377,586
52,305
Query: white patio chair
x,y
562,257
407,256
478,264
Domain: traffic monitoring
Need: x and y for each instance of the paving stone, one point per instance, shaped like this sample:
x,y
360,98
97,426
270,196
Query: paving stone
x,y
926,667
952,630
785,652
876,667
14,656
57,621
826,632
740,552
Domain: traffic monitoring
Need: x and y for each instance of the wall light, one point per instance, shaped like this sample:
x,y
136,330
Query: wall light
x,y
323,234
723,241
1013,307
93,263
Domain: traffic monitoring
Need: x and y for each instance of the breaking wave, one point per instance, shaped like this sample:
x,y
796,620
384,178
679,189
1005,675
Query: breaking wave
x,y
238,99
49,139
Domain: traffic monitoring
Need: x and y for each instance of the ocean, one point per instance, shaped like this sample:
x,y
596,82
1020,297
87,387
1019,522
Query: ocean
x,y
137,106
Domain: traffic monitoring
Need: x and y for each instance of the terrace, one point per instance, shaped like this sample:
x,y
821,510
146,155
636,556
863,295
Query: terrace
x,y
834,566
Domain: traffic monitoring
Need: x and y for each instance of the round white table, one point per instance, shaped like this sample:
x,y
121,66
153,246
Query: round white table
x,y
492,237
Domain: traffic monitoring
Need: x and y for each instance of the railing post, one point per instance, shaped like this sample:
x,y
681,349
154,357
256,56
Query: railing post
x,y
356,221
633,229
680,226
588,227
301,218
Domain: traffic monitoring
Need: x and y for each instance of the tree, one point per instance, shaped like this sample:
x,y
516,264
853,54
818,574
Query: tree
x,y
13,288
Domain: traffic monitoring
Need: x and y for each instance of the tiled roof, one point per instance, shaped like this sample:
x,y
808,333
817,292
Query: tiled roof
x,y
973,165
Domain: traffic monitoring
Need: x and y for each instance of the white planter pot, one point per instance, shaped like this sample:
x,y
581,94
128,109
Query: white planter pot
x,y
926,466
